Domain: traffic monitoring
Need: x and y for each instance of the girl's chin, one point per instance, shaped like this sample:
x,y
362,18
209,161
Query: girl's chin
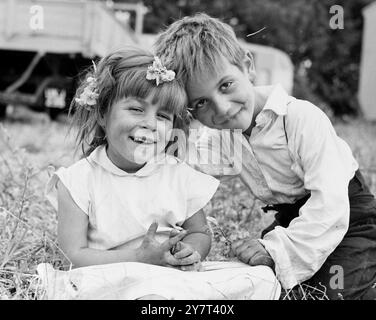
x,y
142,155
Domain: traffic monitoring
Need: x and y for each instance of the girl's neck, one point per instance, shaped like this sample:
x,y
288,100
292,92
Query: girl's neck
x,y
122,163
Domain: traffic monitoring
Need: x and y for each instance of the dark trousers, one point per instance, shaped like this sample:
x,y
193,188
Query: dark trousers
x,y
355,256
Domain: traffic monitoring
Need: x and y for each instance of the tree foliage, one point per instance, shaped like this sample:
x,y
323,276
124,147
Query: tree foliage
x,y
328,59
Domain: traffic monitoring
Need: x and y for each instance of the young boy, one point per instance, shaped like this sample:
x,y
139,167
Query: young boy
x,y
291,159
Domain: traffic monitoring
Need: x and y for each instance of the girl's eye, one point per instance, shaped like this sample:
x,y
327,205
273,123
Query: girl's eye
x,y
164,116
137,109
226,85
201,104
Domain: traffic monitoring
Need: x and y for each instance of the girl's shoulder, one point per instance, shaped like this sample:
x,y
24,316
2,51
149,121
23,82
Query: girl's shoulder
x,y
76,179
184,173
79,173
176,164
80,167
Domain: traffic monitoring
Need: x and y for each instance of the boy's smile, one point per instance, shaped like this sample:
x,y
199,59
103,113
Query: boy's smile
x,y
223,99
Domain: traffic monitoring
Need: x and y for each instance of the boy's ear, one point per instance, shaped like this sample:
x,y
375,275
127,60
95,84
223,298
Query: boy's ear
x,y
249,64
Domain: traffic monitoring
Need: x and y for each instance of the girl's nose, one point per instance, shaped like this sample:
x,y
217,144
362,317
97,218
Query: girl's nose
x,y
150,122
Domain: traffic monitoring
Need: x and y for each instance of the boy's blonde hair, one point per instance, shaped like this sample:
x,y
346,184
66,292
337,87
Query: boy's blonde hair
x,y
119,75
194,44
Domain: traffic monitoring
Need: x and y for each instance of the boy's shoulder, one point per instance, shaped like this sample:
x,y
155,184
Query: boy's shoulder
x,y
304,110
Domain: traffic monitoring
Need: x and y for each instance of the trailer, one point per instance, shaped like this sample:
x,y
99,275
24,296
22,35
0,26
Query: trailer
x,y
44,44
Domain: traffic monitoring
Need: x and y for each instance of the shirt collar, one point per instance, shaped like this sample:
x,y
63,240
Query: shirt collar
x,y
100,157
276,102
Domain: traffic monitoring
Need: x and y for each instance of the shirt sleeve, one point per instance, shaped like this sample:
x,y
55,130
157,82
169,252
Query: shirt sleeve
x,y
327,164
74,179
198,188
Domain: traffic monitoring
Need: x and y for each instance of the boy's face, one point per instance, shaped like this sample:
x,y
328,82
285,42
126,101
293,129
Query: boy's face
x,y
224,99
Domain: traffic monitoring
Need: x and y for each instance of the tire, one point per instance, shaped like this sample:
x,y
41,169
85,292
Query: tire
x,y
53,113
3,109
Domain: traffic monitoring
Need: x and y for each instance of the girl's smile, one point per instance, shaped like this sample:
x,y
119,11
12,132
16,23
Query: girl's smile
x,y
137,130
142,140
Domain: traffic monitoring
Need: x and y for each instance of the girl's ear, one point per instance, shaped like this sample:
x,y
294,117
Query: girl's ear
x,y
102,121
250,66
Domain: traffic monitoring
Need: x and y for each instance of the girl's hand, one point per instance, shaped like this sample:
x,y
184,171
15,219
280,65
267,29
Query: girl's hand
x,y
153,252
189,259
252,252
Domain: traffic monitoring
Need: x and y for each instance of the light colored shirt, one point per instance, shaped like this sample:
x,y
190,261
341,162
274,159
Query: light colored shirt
x,y
121,206
313,159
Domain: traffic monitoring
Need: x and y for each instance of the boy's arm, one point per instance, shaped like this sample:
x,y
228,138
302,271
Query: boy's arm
x,y
327,166
72,238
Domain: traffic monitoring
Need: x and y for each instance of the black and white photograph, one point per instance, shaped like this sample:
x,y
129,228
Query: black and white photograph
x,y
188,150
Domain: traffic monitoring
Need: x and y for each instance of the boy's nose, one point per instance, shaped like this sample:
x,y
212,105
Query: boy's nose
x,y
221,110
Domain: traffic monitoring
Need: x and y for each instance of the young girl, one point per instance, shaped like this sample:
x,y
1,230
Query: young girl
x,y
127,210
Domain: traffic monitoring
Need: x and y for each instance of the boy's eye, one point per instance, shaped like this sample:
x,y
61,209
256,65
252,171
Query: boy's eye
x,y
226,85
201,104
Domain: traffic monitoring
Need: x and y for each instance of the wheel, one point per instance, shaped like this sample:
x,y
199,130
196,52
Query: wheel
x,y
3,111
53,113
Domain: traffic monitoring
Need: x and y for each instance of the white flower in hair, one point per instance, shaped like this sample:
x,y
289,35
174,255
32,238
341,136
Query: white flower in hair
x,y
159,72
88,98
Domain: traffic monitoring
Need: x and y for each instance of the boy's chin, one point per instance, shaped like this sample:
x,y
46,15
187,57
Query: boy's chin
x,y
243,126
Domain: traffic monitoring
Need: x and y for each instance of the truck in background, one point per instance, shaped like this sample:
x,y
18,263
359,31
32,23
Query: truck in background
x,y
40,67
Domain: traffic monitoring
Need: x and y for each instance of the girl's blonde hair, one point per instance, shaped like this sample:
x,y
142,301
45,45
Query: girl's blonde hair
x,y
119,75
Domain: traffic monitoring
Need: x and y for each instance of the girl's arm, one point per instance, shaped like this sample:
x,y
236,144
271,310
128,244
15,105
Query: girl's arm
x,y
72,238
199,235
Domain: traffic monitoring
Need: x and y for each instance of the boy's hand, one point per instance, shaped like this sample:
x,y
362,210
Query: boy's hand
x,y
252,252
153,252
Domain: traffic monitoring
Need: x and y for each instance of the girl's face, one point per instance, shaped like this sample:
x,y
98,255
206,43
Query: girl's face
x,y
137,129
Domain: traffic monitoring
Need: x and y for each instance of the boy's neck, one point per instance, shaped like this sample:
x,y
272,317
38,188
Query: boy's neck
x,y
261,96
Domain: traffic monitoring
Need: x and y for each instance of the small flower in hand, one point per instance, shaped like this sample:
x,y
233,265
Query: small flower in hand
x,y
217,230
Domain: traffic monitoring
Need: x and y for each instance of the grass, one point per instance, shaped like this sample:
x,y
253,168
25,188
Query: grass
x,y
31,147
